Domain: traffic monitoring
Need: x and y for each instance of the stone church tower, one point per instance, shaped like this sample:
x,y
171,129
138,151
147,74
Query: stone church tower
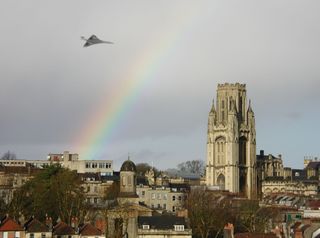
x,y
231,143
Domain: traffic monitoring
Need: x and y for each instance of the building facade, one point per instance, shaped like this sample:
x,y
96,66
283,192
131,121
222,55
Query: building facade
x,y
231,142
169,198
66,160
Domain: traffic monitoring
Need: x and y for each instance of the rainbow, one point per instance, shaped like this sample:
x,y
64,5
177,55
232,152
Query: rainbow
x,y
103,123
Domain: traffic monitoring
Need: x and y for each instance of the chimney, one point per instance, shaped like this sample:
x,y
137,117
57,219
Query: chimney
x,y
228,231
74,223
298,233
261,153
49,222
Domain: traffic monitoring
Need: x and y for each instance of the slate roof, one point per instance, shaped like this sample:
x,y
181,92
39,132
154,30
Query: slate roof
x,y
90,230
128,165
161,222
315,204
313,165
63,229
34,225
8,224
94,176
299,174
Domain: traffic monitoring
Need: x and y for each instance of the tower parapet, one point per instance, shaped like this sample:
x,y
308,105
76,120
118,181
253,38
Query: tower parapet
x,y
232,86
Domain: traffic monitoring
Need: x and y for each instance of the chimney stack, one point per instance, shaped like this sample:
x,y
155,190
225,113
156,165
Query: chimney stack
x,y
228,231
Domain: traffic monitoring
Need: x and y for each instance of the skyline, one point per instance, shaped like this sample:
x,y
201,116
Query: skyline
x,y
52,87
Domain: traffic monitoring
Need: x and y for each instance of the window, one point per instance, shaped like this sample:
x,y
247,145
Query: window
x,y
152,206
173,198
31,235
17,234
5,234
95,200
159,196
153,196
179,227
159,206
165,196
143,193
87,165
95,189
179,198
145,227
173,208
43,235
164,206
222,110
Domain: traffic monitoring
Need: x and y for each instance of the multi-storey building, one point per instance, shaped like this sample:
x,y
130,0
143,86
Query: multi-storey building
x,y
72,161
95,188
231,142
67,160
166,198
12,178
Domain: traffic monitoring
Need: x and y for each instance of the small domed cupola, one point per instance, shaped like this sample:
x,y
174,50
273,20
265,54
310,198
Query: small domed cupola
x,y
128,165
128,182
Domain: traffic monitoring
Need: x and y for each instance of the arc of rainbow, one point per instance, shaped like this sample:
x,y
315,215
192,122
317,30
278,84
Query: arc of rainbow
x,y
104,122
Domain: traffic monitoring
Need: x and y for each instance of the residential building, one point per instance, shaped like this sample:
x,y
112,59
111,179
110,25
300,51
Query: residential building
x,y
163,226
9,228
35,229
90,231
166,198
62,230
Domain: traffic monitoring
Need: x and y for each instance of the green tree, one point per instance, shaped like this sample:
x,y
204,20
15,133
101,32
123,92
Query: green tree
x,y
55,191
3,207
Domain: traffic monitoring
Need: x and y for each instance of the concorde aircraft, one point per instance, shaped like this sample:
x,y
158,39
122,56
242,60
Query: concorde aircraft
x,y
94,40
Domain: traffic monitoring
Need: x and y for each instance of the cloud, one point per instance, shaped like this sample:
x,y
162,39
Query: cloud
x,y
51,87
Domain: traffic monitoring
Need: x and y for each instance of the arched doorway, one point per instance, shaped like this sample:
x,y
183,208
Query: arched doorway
x,y
221,182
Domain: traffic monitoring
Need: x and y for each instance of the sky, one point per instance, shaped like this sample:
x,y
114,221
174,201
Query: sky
x,y
149,94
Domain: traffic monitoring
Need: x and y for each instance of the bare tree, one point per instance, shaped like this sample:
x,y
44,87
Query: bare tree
x,y
253,218
192,166
208,213
8,156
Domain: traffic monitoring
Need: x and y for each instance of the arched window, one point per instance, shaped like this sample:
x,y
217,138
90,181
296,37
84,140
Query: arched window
x,y
129,180
242,150
123,181
220,150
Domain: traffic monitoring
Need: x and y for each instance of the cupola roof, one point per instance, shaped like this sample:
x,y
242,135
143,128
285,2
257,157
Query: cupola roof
x,y
128,165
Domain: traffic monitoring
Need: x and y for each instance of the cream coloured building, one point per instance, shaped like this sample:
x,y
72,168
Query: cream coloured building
x,y
162,198
231,142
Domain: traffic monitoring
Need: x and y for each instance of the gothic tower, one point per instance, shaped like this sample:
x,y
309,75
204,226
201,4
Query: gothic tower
x,y
231,143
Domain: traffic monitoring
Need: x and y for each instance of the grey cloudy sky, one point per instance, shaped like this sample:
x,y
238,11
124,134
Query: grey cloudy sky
x,y
50,85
